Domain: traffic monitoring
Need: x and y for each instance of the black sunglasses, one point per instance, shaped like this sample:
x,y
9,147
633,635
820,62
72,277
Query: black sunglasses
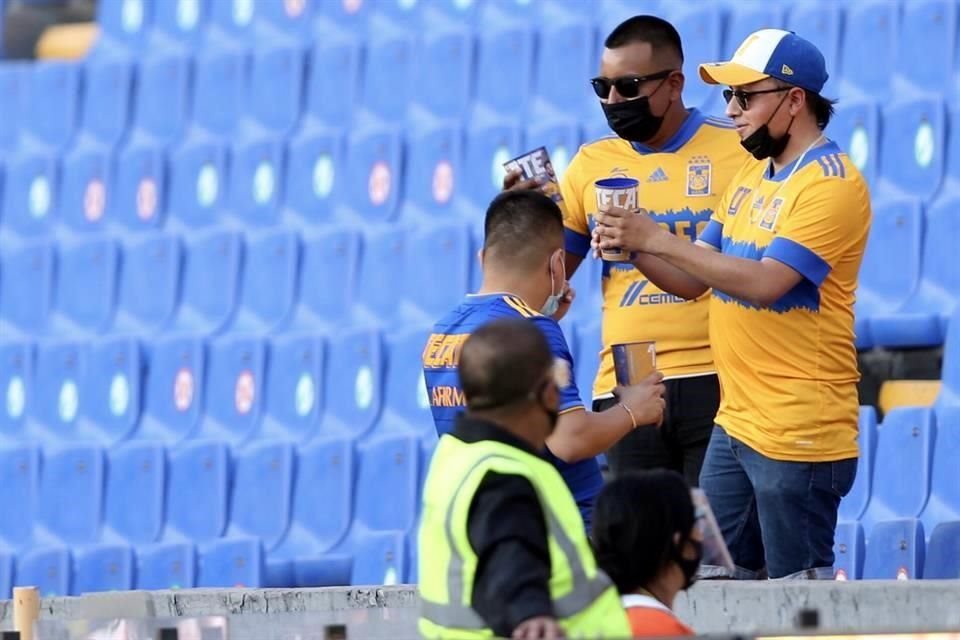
x,y
743,97
627,86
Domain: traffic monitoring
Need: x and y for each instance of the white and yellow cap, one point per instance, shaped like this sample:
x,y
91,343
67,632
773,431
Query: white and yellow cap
x,y
771,53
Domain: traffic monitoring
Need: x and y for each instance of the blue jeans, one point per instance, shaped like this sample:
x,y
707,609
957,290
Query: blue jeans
x,y
774,514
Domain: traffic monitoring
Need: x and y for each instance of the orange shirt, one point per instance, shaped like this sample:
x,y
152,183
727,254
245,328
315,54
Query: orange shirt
x,y
650,618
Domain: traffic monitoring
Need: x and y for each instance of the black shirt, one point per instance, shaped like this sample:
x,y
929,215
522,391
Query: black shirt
x,y
508,532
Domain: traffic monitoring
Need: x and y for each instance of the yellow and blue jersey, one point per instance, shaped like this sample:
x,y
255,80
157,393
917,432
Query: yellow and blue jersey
x,y
680,186
788,373
441,357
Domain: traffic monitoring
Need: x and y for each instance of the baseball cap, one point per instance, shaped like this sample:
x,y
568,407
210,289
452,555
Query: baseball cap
x,y
771,53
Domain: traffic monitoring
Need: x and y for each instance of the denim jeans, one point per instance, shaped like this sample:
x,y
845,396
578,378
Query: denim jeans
x,y
774,515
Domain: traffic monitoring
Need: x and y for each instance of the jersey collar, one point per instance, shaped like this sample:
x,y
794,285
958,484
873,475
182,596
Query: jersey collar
x,y
824,149
689,127
630,600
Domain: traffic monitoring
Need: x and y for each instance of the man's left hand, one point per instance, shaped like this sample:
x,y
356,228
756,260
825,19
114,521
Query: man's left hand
x,y
624,229
569,294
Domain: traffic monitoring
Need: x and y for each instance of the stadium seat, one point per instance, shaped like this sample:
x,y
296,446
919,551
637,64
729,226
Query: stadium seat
x,y
179,22
944,503
434,172
173,389
387,479
138,199
950,374
312,180
134,499
161,101
288,20
388,72
19,477
26,280
895,551
848,551
406,403
436,269
885,284
321,515
149,263
868,49
256,172
210,282
856,128
53,96
904,450
275,85
587,361
566,59
928,41
15,85
85,185
110,389
6,575
329,270
70,504
745,18
29,193
59,368
103,567
219,85
447,12
401,13
855,502
374,174
333,69
701,30
821,24
353,397
105,103
125,23
505,44
86,286
45,568
562,139
294,388
942,557
913,146
443,72
230,25
922,320
197,183
489,145
380,281
233,400
16,385
380,558
268,287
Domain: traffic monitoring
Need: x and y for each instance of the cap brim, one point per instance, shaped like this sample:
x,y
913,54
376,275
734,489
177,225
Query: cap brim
x,y
729,73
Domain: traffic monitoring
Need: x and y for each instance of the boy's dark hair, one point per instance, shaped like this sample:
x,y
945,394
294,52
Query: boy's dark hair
x,y
657,31
522,227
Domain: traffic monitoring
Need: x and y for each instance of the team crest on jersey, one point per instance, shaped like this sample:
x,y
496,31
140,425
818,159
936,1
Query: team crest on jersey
x,y
769,219
699,172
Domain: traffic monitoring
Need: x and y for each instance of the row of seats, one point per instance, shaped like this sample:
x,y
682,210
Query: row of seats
x,y
142,516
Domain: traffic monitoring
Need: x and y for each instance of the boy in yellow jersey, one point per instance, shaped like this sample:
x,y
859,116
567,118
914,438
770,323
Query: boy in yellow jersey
x,y
683,160
782,254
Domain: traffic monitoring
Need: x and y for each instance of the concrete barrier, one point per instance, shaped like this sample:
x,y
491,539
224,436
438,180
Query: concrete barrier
x,y
390,612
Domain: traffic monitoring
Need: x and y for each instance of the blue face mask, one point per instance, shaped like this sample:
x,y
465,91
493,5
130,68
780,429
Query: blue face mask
x,y
552,303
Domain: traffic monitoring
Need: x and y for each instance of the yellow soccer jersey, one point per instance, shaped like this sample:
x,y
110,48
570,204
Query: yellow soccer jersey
x,y
788,373
679,186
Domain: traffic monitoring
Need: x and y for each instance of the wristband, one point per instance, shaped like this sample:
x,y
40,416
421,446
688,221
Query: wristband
x,y
629,413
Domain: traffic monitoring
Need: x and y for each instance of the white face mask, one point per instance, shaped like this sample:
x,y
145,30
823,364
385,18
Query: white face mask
x,y
552,304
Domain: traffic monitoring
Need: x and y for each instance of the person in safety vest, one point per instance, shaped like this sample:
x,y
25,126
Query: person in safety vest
x,y
502,547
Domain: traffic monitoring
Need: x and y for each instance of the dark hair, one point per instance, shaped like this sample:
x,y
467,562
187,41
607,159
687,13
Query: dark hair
x,y
503,362
522,226
822,108
657,31
634,521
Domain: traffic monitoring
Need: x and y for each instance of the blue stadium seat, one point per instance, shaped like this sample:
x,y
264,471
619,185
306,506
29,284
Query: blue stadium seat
x,y
231,24
294,388
436,269
85,185
444,13
434,171
59,369
16,385
86,284
566,59
869,50
856,128
914,146
54,93
353,397
105,105
380,281
387,479
134,502
173,389
701,30
219,85
124,23
380,557
70,504
321,515
848,551
443,72
745,18
256,172
288,20
587,361
406,403
942,558
950,374
150,263
180,22
46,568
312,180
329,268
333,68
110,389
922,320
505,44
952,178
197,183
855,502
30,193
561,137
944,502
26,280
821,24
19,477
260,506
476,246
374,174
15,85
489,145
161,102
885,284
904,450
895,551
103,567
138,199
268,290
233,400
927,43
276,85
400,13
6,575
387,81
210,282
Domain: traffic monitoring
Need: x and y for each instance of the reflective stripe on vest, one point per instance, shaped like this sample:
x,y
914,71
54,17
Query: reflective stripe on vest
x,y
457,615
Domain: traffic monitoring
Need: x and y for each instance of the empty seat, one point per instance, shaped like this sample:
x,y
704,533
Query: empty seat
x,y
856,128
19,477
374,175
950,375
745,18
895,551
161,101
138,199
219,83
312,180
86,284
329,270
505,44
294,388
125,22
134,502
354,395
180,22
85,186
927,43
275,85
406,403
59,367
210,282
489,145
110,390
230,24
149,263
29,193
233,399
914,146
198,176
942,557
443,72
944,503
868,50
387,82
105,100
52,113
434,171
333,68
15,85
380,557
293,20
268,289
344,16
256,175
566,57
821,24
701,30
26,280
848,551
380,285
436,269
173,389
70,505
16,385
855,502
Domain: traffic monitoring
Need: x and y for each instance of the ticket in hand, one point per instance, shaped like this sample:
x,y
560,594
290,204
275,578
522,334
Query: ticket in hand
x,y
536,165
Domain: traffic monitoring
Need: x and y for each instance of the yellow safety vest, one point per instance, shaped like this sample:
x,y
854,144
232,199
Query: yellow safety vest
x,y
585,602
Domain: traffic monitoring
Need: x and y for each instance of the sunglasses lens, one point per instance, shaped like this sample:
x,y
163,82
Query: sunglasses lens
x,y
628,88
727,95
601,86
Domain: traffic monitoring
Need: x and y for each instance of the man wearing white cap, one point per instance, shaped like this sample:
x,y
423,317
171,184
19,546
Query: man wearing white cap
x,y
782,254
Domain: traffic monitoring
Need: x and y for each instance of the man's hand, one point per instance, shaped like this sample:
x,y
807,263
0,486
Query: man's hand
x,y
569,294
629,230
513,181
645,399
541,628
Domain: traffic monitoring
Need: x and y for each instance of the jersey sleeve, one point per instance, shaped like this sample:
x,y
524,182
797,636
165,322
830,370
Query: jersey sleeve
x,y
829,217
576,227
569,394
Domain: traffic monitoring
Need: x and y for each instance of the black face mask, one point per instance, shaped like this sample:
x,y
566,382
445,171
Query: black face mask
x,y
632,120
689,566
761,144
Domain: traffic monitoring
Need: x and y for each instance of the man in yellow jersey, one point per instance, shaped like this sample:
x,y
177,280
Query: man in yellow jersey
x,y
782,254
503,551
